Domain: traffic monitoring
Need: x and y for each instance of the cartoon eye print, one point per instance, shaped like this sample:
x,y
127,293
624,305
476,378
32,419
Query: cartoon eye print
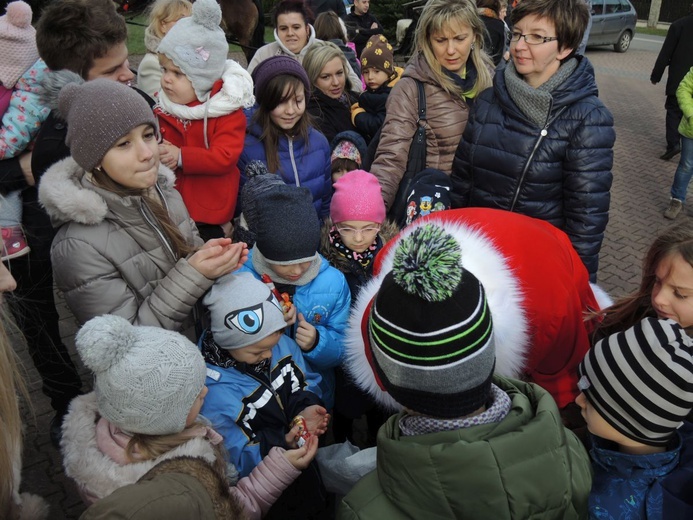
x,y
248,320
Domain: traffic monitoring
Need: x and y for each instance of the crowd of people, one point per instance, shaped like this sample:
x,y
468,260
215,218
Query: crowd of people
x,y
260,256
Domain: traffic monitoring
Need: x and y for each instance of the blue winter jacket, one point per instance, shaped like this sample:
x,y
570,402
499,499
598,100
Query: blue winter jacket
x,y
560,173
300,163
324,303
631,486
253,415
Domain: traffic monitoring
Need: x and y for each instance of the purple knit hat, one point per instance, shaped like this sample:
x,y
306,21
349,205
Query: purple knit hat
x,y
357,196
276,66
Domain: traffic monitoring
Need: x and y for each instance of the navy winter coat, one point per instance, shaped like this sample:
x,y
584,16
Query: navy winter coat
x,y
560,173
300,163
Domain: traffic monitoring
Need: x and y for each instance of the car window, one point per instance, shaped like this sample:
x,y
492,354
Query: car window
x,y
625,6
597,7
612,6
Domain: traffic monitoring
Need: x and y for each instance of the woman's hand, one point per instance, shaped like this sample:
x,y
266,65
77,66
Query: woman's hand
x,y
316,418
25,165
300,458
169,155
218,257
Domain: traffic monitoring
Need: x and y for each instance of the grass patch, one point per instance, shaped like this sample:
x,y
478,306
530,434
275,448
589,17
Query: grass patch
x,y
136,36
654,32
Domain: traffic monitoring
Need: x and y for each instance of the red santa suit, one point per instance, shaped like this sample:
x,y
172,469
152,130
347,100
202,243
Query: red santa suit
x,y
536,286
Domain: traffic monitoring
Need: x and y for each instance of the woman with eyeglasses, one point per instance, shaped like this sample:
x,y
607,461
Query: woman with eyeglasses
x,y
540,142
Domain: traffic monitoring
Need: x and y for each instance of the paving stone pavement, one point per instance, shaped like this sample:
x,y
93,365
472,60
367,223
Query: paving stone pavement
x,y
639,195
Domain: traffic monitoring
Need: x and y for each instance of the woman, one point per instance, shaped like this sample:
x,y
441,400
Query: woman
x,y
540,141
293,36
126,244
330,28
331,97
494,40
450,62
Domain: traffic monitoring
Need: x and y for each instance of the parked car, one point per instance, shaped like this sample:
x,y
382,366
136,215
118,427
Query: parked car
x,y
613,23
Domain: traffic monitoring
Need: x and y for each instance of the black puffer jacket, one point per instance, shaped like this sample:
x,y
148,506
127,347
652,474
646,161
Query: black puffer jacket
x,y
560,173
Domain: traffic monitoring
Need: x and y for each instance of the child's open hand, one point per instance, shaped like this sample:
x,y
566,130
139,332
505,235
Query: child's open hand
x,y
316,418
169,154
305,334
300,458
218,257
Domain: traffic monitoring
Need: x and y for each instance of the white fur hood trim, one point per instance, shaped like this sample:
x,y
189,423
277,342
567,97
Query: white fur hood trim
x,y
65,198
503,293
95,473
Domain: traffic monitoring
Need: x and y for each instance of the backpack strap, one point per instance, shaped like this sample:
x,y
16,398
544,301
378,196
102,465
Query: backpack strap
x,y
422,101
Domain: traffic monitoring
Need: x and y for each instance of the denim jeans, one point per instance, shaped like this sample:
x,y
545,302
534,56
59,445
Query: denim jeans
x,y
684,172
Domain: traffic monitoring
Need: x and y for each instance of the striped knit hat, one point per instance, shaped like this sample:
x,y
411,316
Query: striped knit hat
x,y
641,380
430,329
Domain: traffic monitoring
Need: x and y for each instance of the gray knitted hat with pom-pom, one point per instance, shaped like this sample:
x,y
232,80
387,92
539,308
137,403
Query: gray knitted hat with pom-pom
x,y
430,328
197,45
146,379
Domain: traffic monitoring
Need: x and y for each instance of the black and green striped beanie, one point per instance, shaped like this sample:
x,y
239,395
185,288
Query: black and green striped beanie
x,y
430,328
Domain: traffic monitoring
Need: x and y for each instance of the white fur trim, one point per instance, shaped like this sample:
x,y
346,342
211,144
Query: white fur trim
x,y
503,293
602,297
94,472
33,507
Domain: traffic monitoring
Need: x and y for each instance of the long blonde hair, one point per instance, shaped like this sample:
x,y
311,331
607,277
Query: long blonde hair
x,y
438,14
11,387
319,55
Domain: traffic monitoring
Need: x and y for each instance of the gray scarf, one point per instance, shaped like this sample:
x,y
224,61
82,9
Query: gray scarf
x,y
535,103
262,266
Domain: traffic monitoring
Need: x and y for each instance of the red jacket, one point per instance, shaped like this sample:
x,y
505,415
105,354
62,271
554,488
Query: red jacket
x,y
209,178
537,289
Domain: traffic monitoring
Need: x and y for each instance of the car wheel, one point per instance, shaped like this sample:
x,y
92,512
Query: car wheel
x,y
623,42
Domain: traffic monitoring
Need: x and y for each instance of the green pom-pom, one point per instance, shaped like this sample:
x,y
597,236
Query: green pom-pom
x,y
427,264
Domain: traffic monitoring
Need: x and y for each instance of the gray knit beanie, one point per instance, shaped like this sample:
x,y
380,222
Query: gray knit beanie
x,y
430,328
98,113
287,228
242,310
197,45
146,379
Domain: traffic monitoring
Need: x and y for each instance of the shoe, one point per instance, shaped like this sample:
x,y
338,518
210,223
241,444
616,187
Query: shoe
x,y
671,152
675,207
13,243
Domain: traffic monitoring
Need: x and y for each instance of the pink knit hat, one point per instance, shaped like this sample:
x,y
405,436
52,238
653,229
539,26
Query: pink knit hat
x,y
17,43
357,196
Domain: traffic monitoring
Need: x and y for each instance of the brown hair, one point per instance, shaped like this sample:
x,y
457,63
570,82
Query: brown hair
x,y
342,163
293,6
631,309
328,26
570,17
71,34
437,14
269,99
179,244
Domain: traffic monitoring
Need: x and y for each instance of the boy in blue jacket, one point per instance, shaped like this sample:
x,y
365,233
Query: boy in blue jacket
x,y
287,238
637,390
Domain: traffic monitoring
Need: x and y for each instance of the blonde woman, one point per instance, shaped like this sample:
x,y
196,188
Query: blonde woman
x,y
163,15
451,63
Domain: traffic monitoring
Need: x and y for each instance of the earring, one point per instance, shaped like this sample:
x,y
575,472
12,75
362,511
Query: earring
x,y
472,46
99,169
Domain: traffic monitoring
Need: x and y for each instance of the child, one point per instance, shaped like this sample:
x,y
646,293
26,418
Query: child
x,y
259,385
162,17
351,238
201,120
280,133
665,288
149,386
287,233
637,389
380,75
466,443
20,77
348,151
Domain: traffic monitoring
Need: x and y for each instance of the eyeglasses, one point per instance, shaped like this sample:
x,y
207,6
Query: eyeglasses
x,y
532,39
348,231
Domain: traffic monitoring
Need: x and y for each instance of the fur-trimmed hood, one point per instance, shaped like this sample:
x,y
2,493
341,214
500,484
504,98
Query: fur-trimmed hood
x,y
68,196
95,473
537,291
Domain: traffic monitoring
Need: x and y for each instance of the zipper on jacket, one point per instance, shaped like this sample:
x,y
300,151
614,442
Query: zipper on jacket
x,y
144,210
293,162
544,132
269,387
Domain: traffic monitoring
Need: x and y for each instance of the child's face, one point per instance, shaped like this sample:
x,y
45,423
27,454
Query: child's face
x,y
338,175
133,161
288,113
257,352
196,407
358,235
672,293
375,78
291,272
595,422
177,86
